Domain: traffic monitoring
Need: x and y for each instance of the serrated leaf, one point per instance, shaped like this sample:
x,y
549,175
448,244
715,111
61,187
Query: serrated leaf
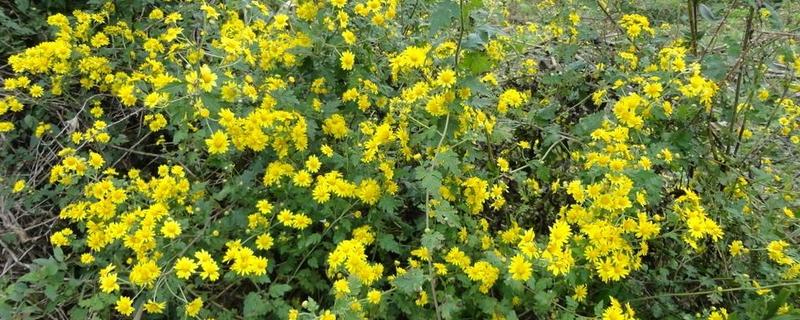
x,y
443,15
432,240
387,242
255,305
448,160
477,62
410,281
430,180
447,214
277,290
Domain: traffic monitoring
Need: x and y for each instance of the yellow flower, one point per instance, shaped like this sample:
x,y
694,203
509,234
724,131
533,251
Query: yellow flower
x,y
721,314
776,249
510,98
293,314
374,296
171,229
458,258
475,191
347,60
736,248
87,258
327,315
185,267
156,14
313,164
666,155
446,78
210,270
144,273
208,79
217,143
264,242
502,163
61,238
341,287
349,37
519,268
335,126
108,279
484,273
422,299
338,3
580,293
154,307
18,186
634,24
653,90
369,191
124,306
193,308
36,91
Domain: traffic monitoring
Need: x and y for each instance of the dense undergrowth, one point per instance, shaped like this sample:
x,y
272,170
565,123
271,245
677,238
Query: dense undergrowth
x,y
401,159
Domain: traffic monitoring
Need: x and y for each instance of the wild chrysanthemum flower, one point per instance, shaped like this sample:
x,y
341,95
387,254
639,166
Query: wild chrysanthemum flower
x,y
519,268
217,143
347,60
124,306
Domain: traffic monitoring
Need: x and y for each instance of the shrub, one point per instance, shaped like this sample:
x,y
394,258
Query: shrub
x,y
387,159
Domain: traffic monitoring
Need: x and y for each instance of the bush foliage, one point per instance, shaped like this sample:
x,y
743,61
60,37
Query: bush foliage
x,y
403,159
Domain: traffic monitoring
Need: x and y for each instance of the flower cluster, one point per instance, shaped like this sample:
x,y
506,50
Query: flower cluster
x,y
327,159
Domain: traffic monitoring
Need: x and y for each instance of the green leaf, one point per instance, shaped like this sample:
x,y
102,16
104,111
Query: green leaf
x,y
706,13
477,62
430,180
311,305
58,254
449,160
23,5
410,282
432,240
277,290
180,135
447,214
443,15
255,305
387,242
774,17
449,308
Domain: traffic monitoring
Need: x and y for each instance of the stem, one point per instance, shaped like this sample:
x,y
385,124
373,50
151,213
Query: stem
x,y
716,31
460,34
748,33
692,6
688,294
611,19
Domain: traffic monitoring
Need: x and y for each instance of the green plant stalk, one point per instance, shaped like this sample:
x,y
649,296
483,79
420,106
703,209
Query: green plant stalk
x,y
748,34
692,12
759,75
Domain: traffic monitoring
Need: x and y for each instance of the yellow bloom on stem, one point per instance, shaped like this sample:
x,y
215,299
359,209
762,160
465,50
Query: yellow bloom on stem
x,y
519,268
185,267
580,293
108,279
193,308
347,60
18,186
154,307
124,306
217,143
374,296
